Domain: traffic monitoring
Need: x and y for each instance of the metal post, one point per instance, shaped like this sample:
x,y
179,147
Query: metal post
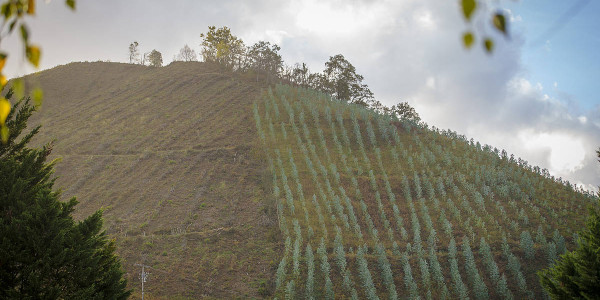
x,y
143,277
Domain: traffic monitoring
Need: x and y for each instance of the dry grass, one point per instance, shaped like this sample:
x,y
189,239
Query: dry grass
x,y
170,155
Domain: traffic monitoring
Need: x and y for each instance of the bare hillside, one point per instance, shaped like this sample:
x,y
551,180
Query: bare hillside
x,y
169,154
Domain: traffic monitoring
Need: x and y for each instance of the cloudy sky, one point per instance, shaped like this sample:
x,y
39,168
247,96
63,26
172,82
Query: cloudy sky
x,y
535,96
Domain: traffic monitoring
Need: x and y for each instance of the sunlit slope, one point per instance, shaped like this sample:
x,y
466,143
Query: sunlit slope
x,y
375,208
170,155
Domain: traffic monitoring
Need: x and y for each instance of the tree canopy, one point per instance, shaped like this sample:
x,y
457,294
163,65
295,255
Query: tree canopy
x,y
339,79
404,111
44,253
265,58
344,83
187,54
219,45
155,58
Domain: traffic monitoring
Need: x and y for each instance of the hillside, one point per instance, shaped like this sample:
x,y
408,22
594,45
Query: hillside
x,y
371,207
228,188
168,153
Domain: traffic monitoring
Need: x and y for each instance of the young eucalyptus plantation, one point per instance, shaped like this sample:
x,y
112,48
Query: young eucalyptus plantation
x,y
373,207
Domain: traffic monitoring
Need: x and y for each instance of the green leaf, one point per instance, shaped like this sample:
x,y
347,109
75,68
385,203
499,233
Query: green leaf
x,y
4,134
489,45
6,10
468,7
468,39
33,55
38,96
11,26
71,4
499,22
24,33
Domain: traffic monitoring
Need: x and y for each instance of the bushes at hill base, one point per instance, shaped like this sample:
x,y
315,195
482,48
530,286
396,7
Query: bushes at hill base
x,y
44,253
576,275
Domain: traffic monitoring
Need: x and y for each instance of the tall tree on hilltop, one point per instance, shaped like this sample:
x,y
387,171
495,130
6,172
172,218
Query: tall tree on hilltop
x,y
576,275
265,59
403,110
155,58
134,53
219,45
187,54
344,83
44,253
300,74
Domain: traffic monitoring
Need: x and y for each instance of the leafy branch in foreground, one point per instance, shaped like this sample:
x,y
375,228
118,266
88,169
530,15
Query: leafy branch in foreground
x,y
469,9
13,13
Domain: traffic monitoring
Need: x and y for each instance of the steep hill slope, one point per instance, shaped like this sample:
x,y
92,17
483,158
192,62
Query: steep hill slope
x,y
229,188
169,154
371,207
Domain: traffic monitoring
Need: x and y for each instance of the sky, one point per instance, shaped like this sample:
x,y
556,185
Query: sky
x,y
535,96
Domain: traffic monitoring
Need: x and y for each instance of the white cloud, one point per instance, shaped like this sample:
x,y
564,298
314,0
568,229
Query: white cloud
x,y
425,19
338,18
566,153
430,82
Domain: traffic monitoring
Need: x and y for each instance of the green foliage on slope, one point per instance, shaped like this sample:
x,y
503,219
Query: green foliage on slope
x,y
397,208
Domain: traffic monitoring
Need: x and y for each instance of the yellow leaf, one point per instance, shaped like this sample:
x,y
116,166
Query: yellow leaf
x,y
468,39
38,96
4,110
489,45
33,55
3,81
2,60
4,134
499,22
468,7
31,7
71,4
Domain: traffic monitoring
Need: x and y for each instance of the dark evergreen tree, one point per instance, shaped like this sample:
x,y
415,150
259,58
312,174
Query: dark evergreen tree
x,y
576,275
44,253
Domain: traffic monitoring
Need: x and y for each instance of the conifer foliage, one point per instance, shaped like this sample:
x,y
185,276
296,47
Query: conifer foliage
x,y
44,253
577,274
397,207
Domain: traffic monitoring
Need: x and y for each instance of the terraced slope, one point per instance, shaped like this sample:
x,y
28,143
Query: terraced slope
x,y
371,207
170,155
